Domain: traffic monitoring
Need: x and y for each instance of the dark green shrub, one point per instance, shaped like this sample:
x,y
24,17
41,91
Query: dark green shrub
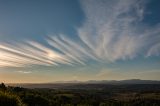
x,y
35,100
7,99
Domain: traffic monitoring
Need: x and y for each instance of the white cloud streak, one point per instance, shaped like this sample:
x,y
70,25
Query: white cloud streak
x,y
111,32
112,29
24,72
29,53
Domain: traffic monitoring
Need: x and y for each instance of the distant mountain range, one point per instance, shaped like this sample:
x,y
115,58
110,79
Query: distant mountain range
x,y
84,84
129,81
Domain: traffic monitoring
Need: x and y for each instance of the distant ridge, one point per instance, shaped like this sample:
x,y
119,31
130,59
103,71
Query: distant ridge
x,y
84,84
129,81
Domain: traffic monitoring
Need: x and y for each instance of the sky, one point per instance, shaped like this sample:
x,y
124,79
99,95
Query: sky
x,y
63,40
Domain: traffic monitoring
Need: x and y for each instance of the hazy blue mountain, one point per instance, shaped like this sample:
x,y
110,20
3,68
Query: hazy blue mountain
x,y
87,84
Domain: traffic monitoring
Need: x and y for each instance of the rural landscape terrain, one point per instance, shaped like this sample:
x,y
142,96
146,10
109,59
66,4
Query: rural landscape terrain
x,y
98,93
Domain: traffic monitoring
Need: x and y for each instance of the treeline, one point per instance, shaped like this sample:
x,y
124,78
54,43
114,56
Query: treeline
x,y
17,96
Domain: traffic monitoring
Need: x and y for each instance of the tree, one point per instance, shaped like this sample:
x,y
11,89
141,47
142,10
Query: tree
x,y
35,100
2,86
7,99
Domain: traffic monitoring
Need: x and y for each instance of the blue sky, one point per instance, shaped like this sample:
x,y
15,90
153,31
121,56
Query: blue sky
x,y
61,40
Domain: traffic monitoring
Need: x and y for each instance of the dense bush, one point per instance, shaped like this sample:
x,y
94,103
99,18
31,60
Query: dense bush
x,y
35,100
7,99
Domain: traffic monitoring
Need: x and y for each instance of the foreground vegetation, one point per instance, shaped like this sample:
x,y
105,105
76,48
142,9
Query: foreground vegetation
x,y
116,96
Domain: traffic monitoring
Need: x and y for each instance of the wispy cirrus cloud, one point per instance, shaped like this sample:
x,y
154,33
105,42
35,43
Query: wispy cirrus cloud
x,y
29,53
113,30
